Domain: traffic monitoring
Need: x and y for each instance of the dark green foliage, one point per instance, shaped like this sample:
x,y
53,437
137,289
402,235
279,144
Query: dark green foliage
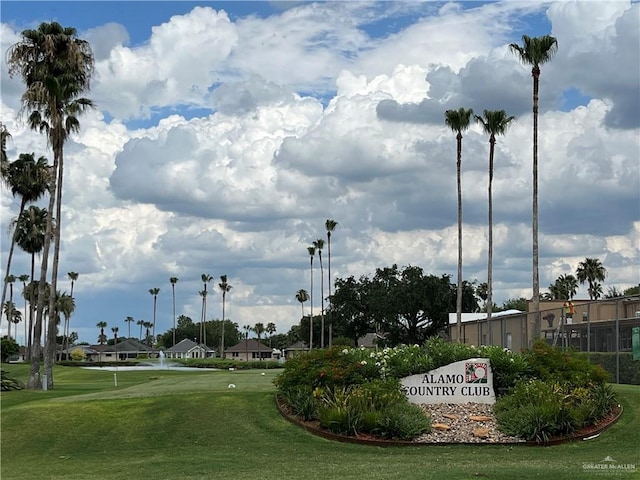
x,y
8,383
535,411
402,421
8,347
629,369
443,352
324,368
301,401
550,363
508,368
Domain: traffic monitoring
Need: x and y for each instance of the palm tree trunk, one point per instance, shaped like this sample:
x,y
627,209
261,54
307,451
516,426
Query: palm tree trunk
x,y
173,294
536,278
321,303
50,350
329,286
222,341
34,383
459,288
311,314
490,253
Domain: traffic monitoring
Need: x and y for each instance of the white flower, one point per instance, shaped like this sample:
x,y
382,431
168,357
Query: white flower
x,y
345,351
363,362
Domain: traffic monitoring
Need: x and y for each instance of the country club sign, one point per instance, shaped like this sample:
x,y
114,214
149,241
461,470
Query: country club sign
x,y
468,381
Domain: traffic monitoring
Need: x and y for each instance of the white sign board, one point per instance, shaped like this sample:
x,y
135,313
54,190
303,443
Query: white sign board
x,y
468,381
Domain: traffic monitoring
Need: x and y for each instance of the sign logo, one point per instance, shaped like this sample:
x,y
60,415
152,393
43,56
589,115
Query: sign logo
x,y
476,372
609,467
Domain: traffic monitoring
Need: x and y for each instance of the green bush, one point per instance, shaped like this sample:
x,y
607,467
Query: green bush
x,y
402,421
509,368
9,383
553,364
301,401
325,368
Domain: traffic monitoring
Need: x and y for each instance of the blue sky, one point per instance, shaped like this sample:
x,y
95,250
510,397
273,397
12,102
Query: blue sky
x,y
226,134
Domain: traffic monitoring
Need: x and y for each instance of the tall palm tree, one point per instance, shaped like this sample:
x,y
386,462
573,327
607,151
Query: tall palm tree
x,y
115,340
302,296
173,281
458,121
24,278
312,252
140,323
10,279
102,338
592,271
30,228
13,315
224,288
247,328
56,68
65,305
258,328
148,338
270,329
319,244
4,161
73,277
154,293
493,122
206,278
567,286
129,321
203,294
29,179
535,51
330,226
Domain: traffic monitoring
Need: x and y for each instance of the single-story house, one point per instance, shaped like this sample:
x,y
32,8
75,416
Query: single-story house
x,y
189,349
251,349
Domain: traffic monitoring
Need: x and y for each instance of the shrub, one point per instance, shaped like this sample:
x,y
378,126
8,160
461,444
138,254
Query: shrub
x,y
301,401
625,367
552,364
508,368
78,354
9,383
402,421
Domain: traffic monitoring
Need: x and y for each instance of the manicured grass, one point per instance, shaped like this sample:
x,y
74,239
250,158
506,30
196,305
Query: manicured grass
x,y
190,425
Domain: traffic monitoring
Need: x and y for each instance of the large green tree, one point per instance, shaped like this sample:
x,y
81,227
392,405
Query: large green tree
x,y
458,121
493,123
591,271
56,67
535,51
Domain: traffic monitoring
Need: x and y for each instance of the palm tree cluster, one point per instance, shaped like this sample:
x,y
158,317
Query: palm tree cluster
x,y
56,68
535,52
589,271
302,295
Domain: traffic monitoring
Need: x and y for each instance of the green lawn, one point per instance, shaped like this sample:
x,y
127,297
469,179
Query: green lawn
x,y
190,425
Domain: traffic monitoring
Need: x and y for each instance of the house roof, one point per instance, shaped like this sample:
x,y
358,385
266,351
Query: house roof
x,y
249,345
298,346
128,345
186,345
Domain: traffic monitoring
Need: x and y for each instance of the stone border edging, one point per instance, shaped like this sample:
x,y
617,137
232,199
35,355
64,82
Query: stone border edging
x,y
404,443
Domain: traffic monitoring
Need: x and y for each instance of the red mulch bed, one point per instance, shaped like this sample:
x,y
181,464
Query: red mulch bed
x,y
315,428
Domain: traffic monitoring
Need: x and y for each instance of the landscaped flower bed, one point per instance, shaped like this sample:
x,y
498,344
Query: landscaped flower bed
x,y
543,393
